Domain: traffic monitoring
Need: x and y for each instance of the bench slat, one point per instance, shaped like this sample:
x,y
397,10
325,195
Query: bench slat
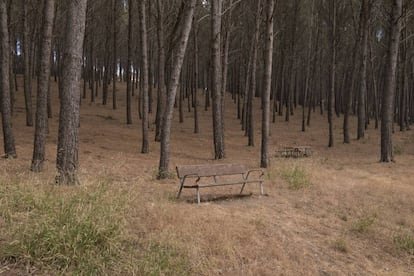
x,y
210,170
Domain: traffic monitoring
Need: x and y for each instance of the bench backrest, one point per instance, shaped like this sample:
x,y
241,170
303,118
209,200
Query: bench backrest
x,y
210,170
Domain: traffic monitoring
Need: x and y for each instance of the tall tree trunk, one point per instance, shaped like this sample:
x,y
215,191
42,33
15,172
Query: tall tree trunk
x,y
144,72
390,83
27,78
68,138
264,162
365,10
253,78
195,81
8,137
129,65
172,89
39,150
216,78
308,67
225,61
161,71
331,94
114,53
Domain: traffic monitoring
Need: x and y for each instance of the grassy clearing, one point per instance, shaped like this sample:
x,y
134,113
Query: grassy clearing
x,y
296,178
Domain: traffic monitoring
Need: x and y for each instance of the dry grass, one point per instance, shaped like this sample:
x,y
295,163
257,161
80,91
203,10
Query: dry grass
x,y
355,218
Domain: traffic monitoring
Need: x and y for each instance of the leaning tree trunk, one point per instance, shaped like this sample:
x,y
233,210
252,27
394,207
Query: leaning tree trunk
x,y
264,162
172,90
390,83
216,79
144,70
39,150
8,137
68,137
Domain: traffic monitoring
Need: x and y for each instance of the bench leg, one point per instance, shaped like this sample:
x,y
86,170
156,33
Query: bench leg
x,y
261,188
198,195
181,188
241,191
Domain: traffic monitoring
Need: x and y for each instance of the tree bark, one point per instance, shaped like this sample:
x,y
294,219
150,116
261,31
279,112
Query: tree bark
x,y
264,162
8,137
68,137
365,10
144,72
172,90
331,94
161,71
129,65
390,83
216,78
39,150
27,76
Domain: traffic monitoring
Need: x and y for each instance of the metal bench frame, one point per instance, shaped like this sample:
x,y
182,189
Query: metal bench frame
x,y
213,171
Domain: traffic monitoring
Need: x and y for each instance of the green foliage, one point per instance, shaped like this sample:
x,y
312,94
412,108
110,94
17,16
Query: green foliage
x,y
363,224
340,245
77,233
297,178
405,242
163,259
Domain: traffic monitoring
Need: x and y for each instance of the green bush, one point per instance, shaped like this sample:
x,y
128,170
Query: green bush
x,y
296,178
405,242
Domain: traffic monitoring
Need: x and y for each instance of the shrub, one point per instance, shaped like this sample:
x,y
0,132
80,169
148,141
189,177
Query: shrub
x,y
296,178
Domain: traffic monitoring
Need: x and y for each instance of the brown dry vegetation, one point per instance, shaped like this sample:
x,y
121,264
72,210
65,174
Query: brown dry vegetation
x,y
353,218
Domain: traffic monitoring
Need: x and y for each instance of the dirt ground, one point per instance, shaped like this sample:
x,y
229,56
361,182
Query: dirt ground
x,y
344,223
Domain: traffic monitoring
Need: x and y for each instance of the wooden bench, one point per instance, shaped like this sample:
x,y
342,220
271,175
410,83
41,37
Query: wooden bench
x,y
211,175
296,151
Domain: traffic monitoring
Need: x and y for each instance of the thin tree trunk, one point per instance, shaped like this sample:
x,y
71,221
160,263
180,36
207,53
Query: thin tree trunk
x,y
253,78
39,150
390,83
264,162
144,72
27,79
216,78
161,71
129,64
331,94
114,53
363,72
8,137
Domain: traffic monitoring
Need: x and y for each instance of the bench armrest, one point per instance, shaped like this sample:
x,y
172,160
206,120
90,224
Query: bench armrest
x,y
255,170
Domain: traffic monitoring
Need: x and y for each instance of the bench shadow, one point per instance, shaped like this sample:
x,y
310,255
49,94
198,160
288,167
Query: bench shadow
x,y
219,198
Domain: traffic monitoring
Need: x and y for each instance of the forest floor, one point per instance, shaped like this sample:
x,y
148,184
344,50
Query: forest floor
x,y
338,212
